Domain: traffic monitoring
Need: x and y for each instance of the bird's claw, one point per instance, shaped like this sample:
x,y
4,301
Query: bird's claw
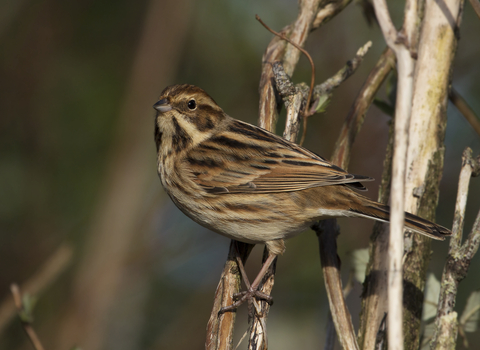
x,y
241,297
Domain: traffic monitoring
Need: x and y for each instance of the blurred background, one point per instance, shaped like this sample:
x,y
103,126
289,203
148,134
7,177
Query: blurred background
x,y
84,222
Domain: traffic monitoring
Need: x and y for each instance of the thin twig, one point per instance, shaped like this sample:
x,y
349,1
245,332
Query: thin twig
x,y
46,275
27,326
293,96
312,78
464,108
459,258
329,11
324,90
363,101
476,6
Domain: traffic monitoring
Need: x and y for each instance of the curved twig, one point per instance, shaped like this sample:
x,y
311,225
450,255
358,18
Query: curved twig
x,y
306,112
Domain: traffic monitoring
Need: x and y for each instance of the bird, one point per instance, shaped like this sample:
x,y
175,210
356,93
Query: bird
x,y
249,184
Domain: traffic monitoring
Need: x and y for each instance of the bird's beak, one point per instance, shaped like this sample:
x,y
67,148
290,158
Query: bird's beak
x,y
162,106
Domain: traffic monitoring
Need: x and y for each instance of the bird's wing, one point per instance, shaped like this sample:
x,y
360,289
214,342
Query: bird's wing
x,y
246,158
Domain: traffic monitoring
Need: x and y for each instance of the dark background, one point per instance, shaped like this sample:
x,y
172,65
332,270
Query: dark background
x,y
78,165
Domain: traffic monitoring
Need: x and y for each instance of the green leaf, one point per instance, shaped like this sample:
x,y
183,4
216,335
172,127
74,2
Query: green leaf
x,y
322,103
359,263
26,315
471,313
431,297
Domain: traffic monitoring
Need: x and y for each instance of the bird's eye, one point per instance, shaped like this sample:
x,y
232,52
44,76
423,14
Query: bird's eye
x,y
192,104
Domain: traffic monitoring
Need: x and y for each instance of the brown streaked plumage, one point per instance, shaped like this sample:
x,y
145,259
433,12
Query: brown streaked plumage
x,y
251,185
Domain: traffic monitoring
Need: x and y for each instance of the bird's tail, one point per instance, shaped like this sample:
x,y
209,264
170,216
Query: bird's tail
x,y
380,212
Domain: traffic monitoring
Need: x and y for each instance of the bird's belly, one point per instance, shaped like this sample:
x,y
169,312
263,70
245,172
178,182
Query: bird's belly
x,y
256,218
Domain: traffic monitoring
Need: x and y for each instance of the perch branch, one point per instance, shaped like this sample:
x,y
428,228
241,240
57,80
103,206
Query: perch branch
x,y
278,50
220,327
258,331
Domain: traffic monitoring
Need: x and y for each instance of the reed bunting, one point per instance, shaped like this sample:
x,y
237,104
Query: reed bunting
x,y
249,184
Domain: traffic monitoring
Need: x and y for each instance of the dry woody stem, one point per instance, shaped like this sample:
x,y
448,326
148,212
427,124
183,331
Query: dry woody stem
x,y
220,327
401,44
458,259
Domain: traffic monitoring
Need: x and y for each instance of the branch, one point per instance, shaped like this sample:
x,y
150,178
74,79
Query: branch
x,y
388,29
374,294
356,115
326,232
258,316
426,147
476,6
329,11
294,96
400,45
220,327
465,109
25,317
46,275
458,260
278,50
322,93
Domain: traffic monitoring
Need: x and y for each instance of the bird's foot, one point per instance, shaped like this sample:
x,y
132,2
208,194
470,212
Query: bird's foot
x,y
244,296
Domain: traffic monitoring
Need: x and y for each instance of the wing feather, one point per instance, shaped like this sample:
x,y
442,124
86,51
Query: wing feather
x,y
247,159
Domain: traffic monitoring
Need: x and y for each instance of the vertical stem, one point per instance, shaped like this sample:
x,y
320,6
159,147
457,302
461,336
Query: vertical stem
x,y
395,247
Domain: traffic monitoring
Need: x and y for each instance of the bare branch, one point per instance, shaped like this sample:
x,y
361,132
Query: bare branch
x,y
374,302
465,109
342,319
46,275
350,129
402,121
282,36
357,112
329,11
27,326
220,327
458,260
426,146
258,331
388,29
476,6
